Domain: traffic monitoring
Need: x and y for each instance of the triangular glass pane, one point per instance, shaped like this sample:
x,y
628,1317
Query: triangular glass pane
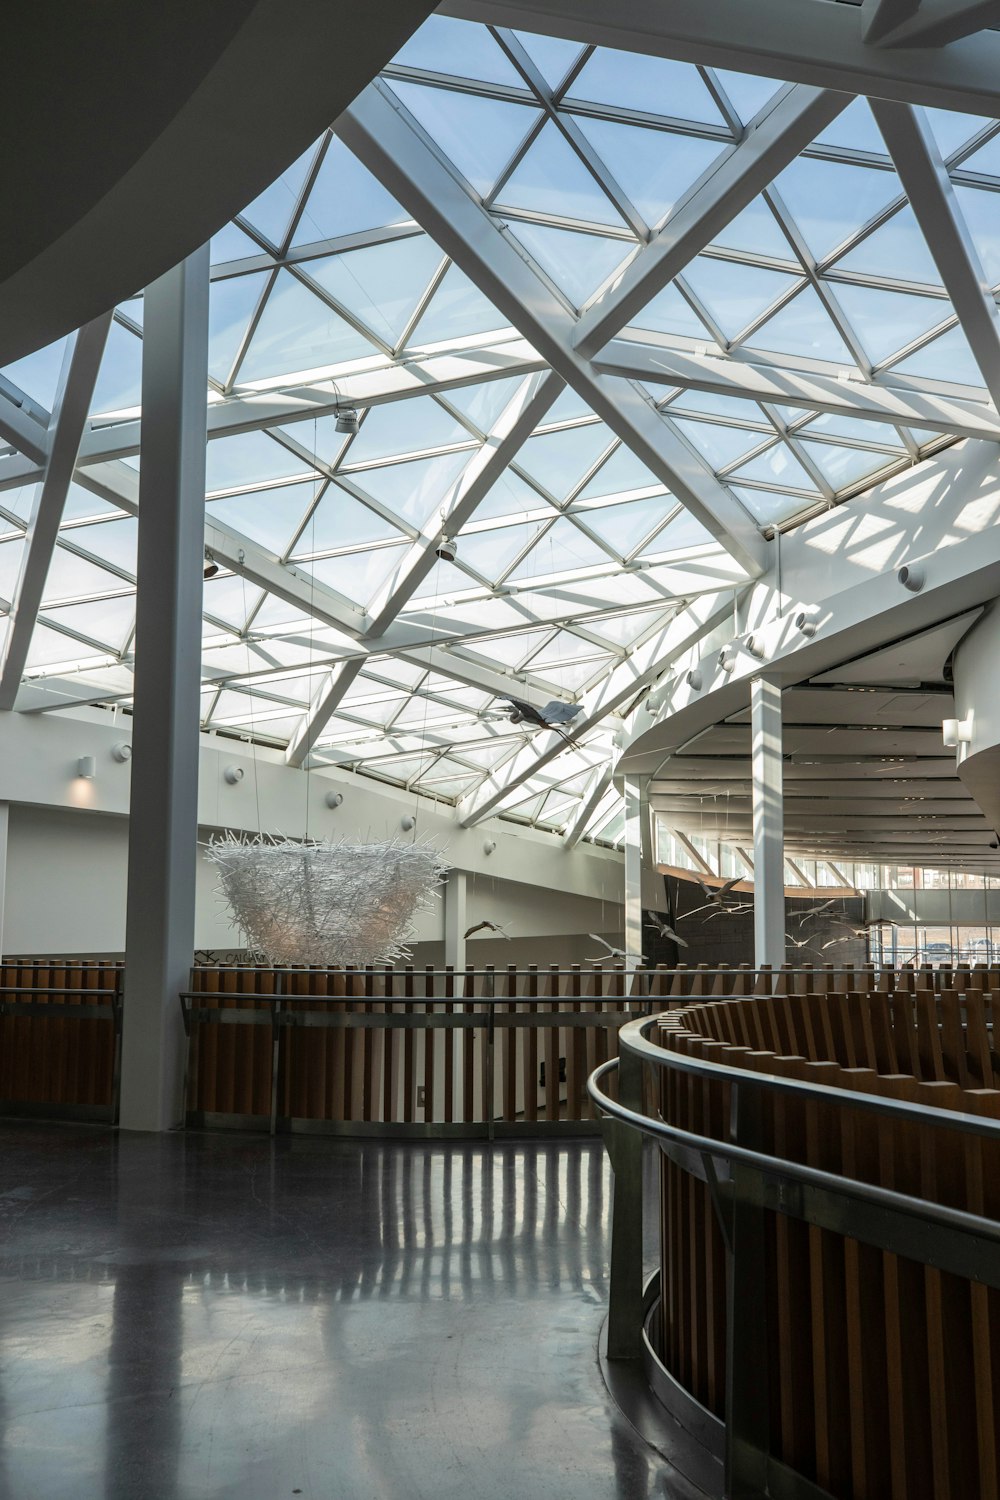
x,y
623,527
230,600
72,577
670,313
458,310
654,167
119,384
715,405
559,460
747,93
510,496
441,582
947,358
80,503
462,48
888,321
832,200
231,305
268,517
319,438
413,490
341,521
621,473
842,467
578,263
410,426
271,212
344,199
551,178
490,553
755,231
803,327
656,85
622,630
552,56
855,129
979,209
735,295
298,333
356,575
897,249
482,404
109,541
769,507
566,408
683,533
779,466
834,425
381,285
10,563
51,646
952,129
248,458
232,244
563,549
720,445
109,622
37,375
478,135
986,160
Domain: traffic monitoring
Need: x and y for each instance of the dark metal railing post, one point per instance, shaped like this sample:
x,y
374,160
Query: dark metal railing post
x,y
489,1104
276,1022
624,1147
747,1415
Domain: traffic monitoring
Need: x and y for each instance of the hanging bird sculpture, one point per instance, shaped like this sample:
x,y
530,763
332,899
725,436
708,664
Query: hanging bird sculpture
x,y
665,930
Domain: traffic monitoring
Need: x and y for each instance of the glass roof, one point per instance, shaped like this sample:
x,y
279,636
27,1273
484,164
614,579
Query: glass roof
x,y
576,554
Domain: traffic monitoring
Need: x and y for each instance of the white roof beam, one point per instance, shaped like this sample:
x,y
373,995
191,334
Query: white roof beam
x,y
20,427
595,794
805,41
771,141
77,379
734,375
925,23
925,179
380,133
617,690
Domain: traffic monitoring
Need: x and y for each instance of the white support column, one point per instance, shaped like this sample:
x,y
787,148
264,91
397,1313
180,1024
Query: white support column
x,y
455,922
163,823
768,824
636,844
4,832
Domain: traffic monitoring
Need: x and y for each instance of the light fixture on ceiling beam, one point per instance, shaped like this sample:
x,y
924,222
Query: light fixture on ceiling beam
x,y
447,549
755,646
694,679
233,775
805,626
333,799
489,845
86,767
121,752
956,732
911,577
347,420
727,657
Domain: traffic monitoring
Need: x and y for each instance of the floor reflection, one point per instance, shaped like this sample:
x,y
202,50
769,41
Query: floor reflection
x,y
199,1317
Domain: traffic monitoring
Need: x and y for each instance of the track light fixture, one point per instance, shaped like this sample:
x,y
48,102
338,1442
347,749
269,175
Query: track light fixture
x,y
911,577
694,679
727,657
447,549
805,626
347,419
956,732
755,646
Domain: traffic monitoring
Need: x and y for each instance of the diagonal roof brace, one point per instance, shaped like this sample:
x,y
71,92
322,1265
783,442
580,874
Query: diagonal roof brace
x,y
925,23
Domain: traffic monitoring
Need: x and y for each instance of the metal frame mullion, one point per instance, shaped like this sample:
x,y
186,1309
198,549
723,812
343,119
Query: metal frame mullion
x,y
249,331
352,319
789,438
422,306
304,193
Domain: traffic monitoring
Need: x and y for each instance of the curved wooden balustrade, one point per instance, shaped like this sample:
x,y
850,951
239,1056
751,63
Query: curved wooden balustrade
x,y
880,1372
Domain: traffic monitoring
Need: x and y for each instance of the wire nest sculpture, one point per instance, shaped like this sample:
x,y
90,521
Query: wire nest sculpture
x,y
327,902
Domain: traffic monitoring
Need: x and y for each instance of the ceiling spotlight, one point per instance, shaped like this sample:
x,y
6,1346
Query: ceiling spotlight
x,y
333,799
233,774
210,570
755,646
407,823
86,767
694,679
655,701
727,657
956,732
489,846
347,419
447,548
911,578
122,752
806,626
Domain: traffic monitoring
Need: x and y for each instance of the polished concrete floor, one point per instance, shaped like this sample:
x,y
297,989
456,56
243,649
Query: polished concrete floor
x,y
206,1316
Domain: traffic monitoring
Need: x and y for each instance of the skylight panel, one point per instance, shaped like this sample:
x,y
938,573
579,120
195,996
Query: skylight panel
x,y
622,473
777,466
755,231
770,507
107,623
719,444
552,55
381,285
298,333
886,322
854,129
803,328
482,404
843,467
231,305
986,160
80,503
626,629
231,600
340,521
980,212
747,93
441,584
562,549
510,496
951,129
655,85
458,310
477,134
119,382
733,294
248,459
345,199
897,250
112,541
271,212
491,552
230,243
559,460
947,358
400,427
415,489
10,563
833,424
579,264
356,575
655,167
73,577
37,375
624,527
830,201
550,178
462,48
52,648
670,313
682,533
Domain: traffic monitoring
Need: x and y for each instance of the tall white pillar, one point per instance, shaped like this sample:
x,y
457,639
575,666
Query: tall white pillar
x,y
163,822
455,922
637,848
768,824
